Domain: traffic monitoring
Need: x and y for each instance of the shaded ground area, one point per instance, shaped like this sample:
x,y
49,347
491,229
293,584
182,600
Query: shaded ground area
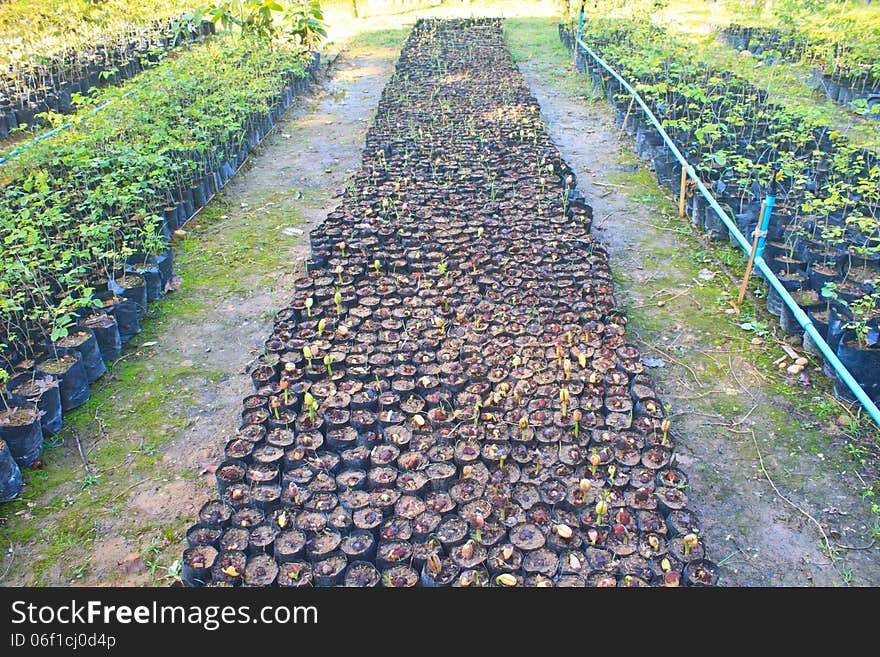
x,y
729,405
163,414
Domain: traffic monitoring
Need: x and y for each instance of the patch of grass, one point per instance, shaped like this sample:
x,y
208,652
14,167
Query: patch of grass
x,y
374,41
527,40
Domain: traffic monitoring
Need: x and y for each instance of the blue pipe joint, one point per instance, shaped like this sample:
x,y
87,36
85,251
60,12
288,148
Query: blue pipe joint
x,y
765,225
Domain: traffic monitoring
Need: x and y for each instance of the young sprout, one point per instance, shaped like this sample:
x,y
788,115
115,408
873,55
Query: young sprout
x,y
477,405
577,416
342,246
328,363
467,550
477,521
689,542
566,367
338,299
595,459
274,404
339,271
322,324
665,426
654,542
564,397
311,404
309,302
284,384
601,510
307,354
584,486
523,425
433,566
582,360
377,265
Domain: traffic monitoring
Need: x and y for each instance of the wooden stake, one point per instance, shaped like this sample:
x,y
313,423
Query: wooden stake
x,y
626,118
682,197
742,289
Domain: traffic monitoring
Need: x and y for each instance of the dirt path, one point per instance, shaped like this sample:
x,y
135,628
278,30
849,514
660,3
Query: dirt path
x,y
675,297
166,411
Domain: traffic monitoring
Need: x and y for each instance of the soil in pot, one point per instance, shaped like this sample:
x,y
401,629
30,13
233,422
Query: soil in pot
x,y
42,390
74,387
229,567
197,564
86,343
329,571
295,574
362,574
22,434
261,570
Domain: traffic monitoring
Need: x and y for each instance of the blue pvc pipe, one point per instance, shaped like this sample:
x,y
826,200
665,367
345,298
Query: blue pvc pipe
x,y
760,264
54,131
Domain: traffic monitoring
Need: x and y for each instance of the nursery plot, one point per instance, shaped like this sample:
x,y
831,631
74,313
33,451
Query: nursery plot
x,y
843,57
823,239
50,84
449,399
86,221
